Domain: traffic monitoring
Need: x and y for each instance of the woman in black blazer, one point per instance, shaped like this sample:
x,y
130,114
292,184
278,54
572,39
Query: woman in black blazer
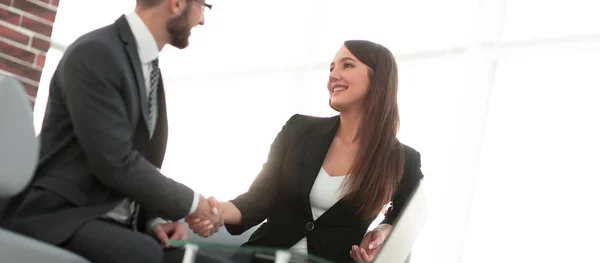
x,y
327,179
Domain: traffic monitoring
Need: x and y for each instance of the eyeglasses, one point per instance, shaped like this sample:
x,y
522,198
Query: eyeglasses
x,y
203,3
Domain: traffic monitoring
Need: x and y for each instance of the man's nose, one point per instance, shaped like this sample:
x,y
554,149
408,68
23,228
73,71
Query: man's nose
x,y
201,21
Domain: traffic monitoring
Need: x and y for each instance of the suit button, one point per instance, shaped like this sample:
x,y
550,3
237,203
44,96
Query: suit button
x,y
310,226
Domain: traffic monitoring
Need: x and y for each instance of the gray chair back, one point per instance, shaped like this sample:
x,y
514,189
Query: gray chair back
x,y
18,143
18,159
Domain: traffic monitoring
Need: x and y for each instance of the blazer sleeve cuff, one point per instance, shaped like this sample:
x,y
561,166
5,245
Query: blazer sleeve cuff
x,y
389,220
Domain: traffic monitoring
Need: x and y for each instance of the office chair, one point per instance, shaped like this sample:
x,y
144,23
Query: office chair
x,y
407,228
18,159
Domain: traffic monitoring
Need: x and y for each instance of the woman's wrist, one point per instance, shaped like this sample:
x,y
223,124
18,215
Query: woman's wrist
x,y
385,228
231,214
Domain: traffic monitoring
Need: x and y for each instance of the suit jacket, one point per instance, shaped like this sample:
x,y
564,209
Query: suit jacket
x,y
95,145
281,194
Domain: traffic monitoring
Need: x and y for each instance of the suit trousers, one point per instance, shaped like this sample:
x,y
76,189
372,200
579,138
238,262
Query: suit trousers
x,y
106,241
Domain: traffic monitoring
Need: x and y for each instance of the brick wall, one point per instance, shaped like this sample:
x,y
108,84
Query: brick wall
x,y
25,30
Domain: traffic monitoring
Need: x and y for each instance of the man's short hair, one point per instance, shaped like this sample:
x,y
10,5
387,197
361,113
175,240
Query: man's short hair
x,y
148,3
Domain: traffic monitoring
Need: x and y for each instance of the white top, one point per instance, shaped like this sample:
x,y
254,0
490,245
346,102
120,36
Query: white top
x,y
323,195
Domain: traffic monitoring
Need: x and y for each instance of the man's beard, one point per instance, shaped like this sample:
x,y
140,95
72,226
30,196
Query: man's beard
x,y
179,29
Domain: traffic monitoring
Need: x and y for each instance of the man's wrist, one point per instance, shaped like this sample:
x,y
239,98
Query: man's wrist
x,y
154,222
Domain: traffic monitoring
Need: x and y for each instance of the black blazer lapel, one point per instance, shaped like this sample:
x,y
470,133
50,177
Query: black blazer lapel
x,y
316,146
134,60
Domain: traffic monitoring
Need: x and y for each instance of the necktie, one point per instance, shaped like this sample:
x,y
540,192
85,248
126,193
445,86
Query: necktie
x,y
154,81
134,217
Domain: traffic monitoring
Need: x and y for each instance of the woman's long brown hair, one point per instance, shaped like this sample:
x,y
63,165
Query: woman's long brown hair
x,y
379,162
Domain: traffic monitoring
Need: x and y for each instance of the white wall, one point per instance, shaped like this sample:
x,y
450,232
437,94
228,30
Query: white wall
x,y
498,96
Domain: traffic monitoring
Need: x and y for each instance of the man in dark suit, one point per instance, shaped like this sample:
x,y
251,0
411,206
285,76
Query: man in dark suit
x,y
98,191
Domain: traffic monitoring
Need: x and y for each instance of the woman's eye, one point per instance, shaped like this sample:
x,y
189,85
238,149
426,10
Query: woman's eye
x,y
330,69
348,65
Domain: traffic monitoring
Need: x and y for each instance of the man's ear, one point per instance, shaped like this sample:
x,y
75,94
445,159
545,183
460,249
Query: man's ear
x,y
176,7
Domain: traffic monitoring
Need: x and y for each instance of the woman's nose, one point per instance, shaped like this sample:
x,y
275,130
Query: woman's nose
x,y
334,75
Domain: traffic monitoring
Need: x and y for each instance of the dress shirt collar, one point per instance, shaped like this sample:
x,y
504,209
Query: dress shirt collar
x,y
146,44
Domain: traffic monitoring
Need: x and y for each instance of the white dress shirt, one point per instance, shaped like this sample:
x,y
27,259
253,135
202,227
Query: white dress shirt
x,y
147,51
323,195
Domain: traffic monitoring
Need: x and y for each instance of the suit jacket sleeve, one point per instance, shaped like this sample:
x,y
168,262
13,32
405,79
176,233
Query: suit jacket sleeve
x,y
256,203
412,175
92,86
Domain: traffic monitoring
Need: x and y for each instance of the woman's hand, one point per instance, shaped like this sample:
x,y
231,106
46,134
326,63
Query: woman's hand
x,y
230,214
207,219
203,226
369,247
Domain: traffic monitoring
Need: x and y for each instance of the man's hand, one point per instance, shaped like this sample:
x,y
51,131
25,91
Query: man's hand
x,y
369,247
170,231
207,219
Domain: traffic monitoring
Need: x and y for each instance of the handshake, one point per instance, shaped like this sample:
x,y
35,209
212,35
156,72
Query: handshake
x,y
208,217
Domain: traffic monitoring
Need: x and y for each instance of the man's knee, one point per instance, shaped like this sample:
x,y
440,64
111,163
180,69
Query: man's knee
x,y
101,241
147,250
141,249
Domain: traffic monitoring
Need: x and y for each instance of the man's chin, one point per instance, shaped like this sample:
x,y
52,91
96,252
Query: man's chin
x,y
181,44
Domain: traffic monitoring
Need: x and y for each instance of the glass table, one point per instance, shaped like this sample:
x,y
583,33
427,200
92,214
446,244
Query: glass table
x,y
219,253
